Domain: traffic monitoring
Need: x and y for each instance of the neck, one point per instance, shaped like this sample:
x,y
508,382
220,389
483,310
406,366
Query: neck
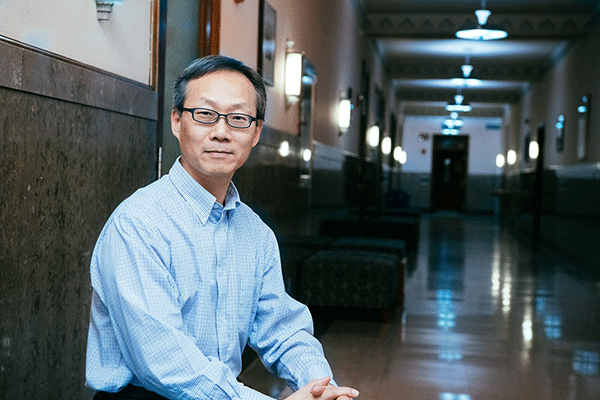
x,y
217,186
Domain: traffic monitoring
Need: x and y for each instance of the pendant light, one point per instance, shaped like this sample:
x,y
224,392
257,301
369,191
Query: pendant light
x,y
481,32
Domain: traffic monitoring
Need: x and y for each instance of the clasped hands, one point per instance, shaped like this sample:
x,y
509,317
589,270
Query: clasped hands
x,y
320,389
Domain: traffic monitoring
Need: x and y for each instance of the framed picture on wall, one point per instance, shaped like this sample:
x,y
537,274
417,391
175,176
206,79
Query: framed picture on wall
x,y
266,42
560,133
526,142
582,126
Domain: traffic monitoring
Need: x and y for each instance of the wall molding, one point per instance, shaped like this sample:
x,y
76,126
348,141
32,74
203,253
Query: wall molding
x,y
29,69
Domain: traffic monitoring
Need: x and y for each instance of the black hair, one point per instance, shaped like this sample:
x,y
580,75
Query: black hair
x,y
205,65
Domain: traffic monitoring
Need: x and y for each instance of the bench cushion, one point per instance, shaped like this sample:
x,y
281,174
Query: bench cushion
x,y
349,278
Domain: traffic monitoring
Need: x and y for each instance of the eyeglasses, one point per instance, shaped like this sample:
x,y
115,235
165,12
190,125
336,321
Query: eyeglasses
x,y
209,117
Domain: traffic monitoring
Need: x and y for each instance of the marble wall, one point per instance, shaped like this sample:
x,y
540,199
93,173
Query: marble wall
x,y
570,217
291,193
479,191
74,141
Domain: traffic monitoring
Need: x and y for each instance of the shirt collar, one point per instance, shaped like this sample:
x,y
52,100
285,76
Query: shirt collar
x,y
200,199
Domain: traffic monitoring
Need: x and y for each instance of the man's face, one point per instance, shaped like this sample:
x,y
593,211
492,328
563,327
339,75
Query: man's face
x,y
212,153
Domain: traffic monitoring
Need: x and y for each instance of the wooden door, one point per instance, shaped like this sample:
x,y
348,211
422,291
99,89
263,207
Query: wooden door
x,y
449,172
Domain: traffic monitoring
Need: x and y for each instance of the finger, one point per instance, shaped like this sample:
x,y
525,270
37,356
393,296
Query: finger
x,y
317,390
319,385
334,392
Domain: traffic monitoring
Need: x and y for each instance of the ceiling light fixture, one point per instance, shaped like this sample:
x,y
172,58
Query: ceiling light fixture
x,y
454,123
481,32
466,79
459,105
448,131
467,68
458,81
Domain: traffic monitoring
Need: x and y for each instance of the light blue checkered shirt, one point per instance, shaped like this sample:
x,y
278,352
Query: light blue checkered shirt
x,y
181,285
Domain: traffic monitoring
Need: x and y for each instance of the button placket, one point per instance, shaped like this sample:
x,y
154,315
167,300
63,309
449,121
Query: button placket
x,y
220,245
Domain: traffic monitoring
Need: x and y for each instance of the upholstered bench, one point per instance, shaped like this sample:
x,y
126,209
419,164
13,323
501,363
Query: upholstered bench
x,y
392,246
396,227
389,227
350,278
294,249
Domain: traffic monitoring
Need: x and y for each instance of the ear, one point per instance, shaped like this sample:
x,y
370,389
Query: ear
x,y
175,123
257,132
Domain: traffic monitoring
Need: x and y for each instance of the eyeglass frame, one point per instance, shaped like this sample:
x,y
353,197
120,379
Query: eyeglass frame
x,y
219,115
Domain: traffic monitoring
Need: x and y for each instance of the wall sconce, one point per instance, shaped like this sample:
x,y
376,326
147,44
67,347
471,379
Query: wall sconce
x,y
345,111
386,145
500,160
293,76
373,136
104,8
306,155
284,149
399,155
511,157
534,149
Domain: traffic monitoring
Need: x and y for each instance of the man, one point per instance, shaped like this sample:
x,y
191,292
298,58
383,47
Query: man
x,y
185,274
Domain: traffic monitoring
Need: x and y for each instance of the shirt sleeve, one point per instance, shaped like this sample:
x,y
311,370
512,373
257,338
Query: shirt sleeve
x,y
282,332
131,277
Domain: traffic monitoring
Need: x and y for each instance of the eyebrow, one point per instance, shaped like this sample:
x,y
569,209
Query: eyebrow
x,y
234,106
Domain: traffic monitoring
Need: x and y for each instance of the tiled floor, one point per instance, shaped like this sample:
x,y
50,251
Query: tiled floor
x,y
485,317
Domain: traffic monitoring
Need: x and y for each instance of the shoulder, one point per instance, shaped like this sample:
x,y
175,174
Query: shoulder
x,y
251,217
147,201
253,227
146,208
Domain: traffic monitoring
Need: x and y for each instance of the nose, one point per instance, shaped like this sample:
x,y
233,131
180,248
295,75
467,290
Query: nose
x,y
220,129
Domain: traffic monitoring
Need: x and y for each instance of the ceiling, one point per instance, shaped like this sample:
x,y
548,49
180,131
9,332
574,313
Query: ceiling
x,y
421,54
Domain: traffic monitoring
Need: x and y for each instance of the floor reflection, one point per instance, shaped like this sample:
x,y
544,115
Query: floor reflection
x,y
485,317
446,257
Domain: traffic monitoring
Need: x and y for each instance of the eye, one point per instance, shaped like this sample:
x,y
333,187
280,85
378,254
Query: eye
x,y
204,113
239,118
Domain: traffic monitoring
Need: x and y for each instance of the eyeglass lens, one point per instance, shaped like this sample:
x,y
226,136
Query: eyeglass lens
x,y
235,120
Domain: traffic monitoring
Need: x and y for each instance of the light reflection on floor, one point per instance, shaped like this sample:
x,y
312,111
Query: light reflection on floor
x,y
485,317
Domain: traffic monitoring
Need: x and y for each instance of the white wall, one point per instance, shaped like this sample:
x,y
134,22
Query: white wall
x,y
70,28
484,144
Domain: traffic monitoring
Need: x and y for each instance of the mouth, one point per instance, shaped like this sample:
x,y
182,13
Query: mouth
x,y
218,152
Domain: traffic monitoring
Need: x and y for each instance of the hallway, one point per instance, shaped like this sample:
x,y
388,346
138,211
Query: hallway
x,y
485,317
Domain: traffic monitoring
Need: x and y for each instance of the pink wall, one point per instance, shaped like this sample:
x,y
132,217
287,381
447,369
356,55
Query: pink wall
x,y
330,38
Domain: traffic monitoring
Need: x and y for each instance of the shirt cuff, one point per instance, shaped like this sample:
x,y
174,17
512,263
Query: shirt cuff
x,y
251,394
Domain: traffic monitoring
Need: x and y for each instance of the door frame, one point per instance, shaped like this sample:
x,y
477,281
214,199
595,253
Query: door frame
x,y
445,143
